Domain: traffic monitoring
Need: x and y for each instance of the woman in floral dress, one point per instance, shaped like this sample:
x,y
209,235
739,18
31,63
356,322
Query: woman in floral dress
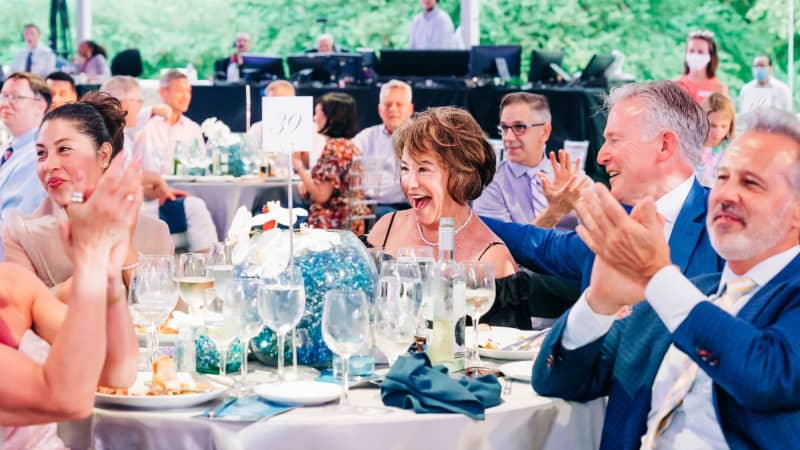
x,y
329,182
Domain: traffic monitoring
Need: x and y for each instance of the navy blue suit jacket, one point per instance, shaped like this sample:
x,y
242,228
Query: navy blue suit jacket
x,y
564,254
753,360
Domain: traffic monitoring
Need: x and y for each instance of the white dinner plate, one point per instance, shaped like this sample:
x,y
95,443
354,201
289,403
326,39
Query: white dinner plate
x,y
162,401
299,392
518,370
503,336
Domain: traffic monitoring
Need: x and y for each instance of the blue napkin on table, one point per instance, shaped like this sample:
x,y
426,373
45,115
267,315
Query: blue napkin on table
x,y
413,384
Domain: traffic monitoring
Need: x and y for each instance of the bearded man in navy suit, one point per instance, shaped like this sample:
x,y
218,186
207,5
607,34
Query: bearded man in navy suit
x,y
712,363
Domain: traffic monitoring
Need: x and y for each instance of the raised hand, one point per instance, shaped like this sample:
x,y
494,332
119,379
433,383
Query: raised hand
x,y
633,245
100,226
564,190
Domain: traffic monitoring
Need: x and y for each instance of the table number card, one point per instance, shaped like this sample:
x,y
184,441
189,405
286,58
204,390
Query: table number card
x,y
288,124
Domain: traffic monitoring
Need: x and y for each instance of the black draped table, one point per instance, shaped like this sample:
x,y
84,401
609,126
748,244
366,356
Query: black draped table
x,y
577,112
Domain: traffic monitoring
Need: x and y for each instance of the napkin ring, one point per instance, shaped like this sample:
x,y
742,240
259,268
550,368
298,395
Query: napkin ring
x,y
76,197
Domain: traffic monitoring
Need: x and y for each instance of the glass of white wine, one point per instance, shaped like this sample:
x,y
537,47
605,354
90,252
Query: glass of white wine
x,y
219,266
480,298
222,320
152,296
281,304
193,279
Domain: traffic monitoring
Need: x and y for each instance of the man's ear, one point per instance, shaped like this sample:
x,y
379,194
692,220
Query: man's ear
x,y
670,144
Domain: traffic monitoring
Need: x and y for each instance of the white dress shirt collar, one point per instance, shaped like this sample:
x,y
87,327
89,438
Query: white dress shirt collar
x,y
764,271
671,203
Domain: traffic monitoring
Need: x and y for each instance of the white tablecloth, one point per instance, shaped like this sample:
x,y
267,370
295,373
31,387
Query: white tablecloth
x,y
523,421
223,198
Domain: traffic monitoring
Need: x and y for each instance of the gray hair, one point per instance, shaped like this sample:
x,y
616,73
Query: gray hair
x,y
668,107
767,119
325,37
170,75
278,84
538,104
120,86
242,34
395,84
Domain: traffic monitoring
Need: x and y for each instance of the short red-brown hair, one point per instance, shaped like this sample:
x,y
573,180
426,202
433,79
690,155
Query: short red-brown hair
x,y
458,141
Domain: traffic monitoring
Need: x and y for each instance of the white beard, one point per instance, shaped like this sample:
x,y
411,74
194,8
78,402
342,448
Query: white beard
x,y
750,242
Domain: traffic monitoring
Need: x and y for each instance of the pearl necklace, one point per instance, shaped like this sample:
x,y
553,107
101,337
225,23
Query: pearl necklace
x,y
457,230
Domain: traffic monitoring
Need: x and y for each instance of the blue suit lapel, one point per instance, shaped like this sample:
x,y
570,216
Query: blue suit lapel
x,y
770,291
688,226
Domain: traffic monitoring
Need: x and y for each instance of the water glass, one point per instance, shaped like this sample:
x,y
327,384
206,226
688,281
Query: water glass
x,y
423,256
193,279
480,295
152,296
245,294
281,305
345,329
222,320
397,305
219,265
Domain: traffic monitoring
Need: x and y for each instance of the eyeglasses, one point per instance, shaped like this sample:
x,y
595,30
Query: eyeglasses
x,y
14,98
518,128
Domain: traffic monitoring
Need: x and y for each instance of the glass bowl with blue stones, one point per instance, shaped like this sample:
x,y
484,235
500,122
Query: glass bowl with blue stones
x,y
345,263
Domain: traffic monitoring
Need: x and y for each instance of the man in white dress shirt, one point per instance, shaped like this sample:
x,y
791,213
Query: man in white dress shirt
x,y
764,89
395,109
432,28
704,364
156,142
35,58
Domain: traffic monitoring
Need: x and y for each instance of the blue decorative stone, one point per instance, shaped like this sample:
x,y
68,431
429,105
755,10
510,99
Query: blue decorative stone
x,y
347,265
208,357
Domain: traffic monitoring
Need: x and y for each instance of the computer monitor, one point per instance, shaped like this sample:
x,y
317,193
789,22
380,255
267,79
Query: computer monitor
x,y
256,68
594,74
483,60
397,63
327,67
540,70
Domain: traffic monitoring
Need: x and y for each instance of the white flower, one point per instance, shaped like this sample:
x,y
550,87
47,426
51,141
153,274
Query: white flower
x,y
217,133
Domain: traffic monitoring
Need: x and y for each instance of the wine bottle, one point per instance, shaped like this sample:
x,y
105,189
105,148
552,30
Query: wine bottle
x,y
447,289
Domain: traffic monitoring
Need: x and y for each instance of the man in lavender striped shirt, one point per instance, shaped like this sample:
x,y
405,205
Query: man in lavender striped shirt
x,y
522,184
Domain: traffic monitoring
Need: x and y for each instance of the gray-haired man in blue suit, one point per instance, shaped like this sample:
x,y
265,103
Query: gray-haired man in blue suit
x,y
711,363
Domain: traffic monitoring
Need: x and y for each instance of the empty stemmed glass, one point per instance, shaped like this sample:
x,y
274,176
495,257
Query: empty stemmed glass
x,y
222,320
193,279
246,294
281,305
480,295
152,296
397,300
423,256
345,329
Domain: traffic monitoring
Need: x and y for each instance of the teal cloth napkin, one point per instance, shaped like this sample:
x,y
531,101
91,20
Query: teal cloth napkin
x,y
413,384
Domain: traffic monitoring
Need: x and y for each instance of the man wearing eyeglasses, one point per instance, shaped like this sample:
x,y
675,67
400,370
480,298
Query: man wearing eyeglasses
x,y
522,187
24,100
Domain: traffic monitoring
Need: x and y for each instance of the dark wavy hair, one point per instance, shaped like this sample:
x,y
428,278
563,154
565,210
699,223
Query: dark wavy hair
x,y
340,113
96,48
98,116
711,68
459,142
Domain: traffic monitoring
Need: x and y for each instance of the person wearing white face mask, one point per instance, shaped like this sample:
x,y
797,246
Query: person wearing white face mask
x,y
700,66
763,90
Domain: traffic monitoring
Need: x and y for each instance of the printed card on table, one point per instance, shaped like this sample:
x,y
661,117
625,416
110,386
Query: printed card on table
x,y
288,124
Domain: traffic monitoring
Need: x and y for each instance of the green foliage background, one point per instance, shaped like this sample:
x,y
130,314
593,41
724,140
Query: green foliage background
x,y
651,33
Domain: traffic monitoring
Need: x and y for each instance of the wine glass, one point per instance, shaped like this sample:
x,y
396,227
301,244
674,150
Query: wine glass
x,y
480,295
245,293
219,266
152,296
345,329
281,305
193,279
222,320
397,300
